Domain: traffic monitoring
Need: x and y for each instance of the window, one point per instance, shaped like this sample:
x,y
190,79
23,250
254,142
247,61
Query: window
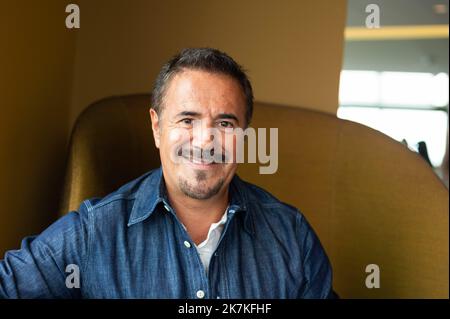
x,y
403,105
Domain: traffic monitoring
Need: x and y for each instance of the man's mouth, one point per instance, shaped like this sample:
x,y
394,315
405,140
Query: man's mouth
x,y
200,157
200,161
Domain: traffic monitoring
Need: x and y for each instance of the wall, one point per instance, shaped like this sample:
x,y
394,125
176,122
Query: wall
x,y
292,49
36,60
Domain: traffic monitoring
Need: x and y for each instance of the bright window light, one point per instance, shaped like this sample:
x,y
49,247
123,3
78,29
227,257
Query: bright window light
x,y
359,87
439,93
404,88
399,89
388,102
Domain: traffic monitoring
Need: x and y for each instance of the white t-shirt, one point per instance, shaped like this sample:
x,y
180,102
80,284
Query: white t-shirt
x,y
206,248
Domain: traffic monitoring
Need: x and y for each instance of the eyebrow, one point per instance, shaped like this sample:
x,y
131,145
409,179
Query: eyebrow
x,y
228,116
188,113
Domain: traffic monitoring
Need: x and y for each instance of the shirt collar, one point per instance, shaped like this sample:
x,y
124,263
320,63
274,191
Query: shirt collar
x,y
153,192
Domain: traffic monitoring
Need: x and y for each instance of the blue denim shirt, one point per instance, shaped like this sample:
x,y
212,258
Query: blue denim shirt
x,y
130,244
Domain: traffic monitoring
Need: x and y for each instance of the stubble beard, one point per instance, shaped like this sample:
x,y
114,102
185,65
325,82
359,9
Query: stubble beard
x,y
199,192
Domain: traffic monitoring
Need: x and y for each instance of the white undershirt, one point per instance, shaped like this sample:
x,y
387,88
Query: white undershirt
x,y
206,248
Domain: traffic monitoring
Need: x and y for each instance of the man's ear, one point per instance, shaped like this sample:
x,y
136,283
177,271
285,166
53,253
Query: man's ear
x,y
156,127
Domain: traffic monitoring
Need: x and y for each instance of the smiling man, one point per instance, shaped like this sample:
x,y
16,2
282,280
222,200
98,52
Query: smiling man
x,y
190,229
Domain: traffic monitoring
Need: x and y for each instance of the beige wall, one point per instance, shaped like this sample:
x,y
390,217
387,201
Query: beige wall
x,y
36,59
292,49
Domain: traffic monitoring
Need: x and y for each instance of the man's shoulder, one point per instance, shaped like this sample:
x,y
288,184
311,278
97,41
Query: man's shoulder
x,y
125,195
258,196
273,217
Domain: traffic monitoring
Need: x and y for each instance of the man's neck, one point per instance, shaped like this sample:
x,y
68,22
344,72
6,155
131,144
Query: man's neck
x,y
198,215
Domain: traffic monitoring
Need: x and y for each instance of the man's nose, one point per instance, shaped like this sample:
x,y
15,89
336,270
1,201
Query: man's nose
x,y
202,135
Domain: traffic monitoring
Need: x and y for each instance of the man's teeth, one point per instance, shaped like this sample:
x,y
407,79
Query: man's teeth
x,y
199,161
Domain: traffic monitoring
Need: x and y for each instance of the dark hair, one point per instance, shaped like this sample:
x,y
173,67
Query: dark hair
x,y
206,59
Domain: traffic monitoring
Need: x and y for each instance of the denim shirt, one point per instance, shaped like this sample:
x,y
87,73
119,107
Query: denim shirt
x,y
130,244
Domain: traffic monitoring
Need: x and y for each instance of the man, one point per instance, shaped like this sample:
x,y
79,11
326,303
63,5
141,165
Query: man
x,y
190,229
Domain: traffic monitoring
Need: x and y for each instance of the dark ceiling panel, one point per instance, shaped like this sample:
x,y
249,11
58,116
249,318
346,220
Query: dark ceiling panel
x,y
406,55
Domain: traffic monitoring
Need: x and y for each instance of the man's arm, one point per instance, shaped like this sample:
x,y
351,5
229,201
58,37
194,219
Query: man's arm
x,y
316,266
38,268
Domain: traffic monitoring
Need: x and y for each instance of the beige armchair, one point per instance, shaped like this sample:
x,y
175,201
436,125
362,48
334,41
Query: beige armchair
x,y
371,200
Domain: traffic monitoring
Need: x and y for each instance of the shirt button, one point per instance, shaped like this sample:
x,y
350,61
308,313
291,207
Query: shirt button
x,y
187,244
167,208
200,294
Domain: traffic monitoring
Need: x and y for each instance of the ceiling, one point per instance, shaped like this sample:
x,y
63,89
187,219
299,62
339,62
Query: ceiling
x,y
419,55
398,12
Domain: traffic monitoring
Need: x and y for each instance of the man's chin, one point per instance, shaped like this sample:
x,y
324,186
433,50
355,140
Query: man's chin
x,y
200,186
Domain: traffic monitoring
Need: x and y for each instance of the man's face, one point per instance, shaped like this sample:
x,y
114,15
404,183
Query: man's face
x,y
197,102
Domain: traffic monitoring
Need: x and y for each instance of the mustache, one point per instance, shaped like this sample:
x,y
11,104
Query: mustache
x,y
213,154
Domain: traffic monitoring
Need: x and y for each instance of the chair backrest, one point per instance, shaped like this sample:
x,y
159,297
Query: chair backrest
x,y
370,199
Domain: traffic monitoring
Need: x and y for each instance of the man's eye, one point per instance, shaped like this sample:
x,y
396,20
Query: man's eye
x,y
186,121
225,124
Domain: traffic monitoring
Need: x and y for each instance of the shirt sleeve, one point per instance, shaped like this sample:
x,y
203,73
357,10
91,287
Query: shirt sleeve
x,y
38,268
317,271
